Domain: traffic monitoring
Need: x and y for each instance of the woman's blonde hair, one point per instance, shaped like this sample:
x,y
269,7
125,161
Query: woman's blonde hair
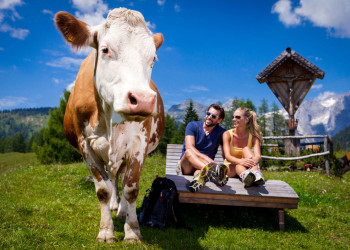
x,y
252,125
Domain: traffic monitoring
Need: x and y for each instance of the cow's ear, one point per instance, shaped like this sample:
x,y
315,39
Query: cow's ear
x,y
158,40
74,31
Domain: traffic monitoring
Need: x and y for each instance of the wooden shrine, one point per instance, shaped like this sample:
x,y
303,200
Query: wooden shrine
x,y
290,77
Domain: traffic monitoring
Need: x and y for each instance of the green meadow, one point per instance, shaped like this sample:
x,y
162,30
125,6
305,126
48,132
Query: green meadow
x,y
55,206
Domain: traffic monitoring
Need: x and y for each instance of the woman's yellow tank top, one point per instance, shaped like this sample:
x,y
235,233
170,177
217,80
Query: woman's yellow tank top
x,y
235,151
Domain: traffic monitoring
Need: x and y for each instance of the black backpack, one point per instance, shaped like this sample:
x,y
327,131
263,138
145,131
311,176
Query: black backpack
x,y
160,205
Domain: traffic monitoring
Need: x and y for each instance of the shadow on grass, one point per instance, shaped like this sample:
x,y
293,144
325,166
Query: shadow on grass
x,y
199,218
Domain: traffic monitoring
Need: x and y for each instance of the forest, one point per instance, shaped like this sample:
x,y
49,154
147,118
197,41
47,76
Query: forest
x,y
41,130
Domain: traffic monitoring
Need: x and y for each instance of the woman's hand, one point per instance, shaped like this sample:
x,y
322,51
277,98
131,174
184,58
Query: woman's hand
x,y
248,163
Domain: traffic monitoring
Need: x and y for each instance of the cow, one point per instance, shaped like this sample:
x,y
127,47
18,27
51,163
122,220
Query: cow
x,y
344,164
114,116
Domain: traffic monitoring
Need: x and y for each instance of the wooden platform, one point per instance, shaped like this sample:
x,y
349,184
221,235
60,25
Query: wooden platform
x,y
274,194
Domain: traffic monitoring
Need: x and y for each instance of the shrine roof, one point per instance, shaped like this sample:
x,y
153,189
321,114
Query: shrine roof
x,y
285,55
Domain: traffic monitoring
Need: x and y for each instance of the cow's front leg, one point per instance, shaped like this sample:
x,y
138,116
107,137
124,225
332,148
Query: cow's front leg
x,y
104,193
116,171
130,192
103,188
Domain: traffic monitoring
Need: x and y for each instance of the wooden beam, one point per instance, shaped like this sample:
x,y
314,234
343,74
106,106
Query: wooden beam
x,y
326,153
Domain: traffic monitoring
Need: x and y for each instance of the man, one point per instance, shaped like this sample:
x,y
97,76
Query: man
x,y
202,140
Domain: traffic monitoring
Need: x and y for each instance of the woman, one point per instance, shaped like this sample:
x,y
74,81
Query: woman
x,y
238,143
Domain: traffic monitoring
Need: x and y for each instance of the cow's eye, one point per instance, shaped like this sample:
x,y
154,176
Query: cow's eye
x,y
105,50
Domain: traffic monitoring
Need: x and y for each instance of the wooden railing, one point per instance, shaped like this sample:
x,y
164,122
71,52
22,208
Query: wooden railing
x,y
327,148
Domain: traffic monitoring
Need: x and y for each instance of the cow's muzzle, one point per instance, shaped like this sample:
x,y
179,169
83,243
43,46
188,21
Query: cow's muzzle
x,y
141,104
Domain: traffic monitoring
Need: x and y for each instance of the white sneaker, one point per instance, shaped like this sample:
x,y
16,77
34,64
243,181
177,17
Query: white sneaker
x,y
248,178
259,178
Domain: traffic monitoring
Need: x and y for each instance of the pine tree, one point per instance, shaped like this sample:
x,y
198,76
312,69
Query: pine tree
x,y
236,103
191,115
278,124
56,148
169,131
19,143
262,120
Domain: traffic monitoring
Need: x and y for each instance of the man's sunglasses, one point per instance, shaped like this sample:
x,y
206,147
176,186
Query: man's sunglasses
x,y
236,117
212,115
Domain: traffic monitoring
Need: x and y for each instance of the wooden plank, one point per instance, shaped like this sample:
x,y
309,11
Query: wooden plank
x,y
274,194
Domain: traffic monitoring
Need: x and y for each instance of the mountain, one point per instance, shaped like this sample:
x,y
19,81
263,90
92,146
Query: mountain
x,y
343,137
26,121
178,111
325,115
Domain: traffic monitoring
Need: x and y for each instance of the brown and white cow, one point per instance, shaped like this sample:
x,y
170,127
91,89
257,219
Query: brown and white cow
x,y
114,115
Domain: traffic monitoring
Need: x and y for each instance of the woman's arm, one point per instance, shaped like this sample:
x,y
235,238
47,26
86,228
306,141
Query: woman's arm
x,y
226,140
243,162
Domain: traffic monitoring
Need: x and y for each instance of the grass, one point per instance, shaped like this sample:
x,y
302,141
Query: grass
x,y
54,206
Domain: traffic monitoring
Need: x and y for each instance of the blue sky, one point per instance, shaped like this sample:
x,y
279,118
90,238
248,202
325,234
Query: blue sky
x,y
212,51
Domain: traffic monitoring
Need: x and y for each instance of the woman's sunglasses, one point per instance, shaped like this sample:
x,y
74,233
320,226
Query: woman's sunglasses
x,y
212,115
236,117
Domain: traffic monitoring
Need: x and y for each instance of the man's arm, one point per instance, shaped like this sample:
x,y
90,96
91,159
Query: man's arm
x,y
190,145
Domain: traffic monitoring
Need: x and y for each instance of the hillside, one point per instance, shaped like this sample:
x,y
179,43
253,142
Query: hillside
x,y
343,137
26,121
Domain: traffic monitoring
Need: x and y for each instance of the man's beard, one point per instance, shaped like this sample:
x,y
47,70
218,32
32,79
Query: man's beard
x,y
210,125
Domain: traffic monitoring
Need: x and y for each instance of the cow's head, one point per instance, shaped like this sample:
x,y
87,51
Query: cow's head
x,y
125,55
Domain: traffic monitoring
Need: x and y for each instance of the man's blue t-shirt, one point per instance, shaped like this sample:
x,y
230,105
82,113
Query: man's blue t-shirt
x,y
206,144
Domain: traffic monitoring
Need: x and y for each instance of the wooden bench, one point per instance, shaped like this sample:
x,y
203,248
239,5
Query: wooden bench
x,y
274,194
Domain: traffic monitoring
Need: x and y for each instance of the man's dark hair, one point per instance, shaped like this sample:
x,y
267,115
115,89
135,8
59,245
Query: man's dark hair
x,y
218,108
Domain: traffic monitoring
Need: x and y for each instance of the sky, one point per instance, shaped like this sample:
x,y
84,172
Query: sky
x,y
212,51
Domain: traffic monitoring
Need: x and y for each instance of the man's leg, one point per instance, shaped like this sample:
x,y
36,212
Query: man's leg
x,y
190,163
203,171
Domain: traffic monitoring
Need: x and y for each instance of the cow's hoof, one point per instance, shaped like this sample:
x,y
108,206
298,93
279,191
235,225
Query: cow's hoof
x,y
133,239
106,236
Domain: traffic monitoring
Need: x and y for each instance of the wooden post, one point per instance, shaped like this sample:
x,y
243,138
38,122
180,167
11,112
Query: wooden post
x,y
292,146
325,146
280,218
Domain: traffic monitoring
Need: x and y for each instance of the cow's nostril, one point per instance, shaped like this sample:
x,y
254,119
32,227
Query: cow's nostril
x,y
132,99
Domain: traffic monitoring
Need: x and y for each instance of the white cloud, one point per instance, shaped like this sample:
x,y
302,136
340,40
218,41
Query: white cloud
x,y
177,8
160,2
11,101
325,95
55,80
5,5
9,4
90,11
70,86
151,26
286,16
15,33
333,15
65,62
317,86
48,12
194,88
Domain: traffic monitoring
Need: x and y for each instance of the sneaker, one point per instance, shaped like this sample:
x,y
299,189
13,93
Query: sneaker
x,y
221,174
202,177
259,178
248,178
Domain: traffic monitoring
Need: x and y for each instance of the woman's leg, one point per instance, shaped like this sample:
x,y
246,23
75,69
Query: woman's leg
x,y
259,178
